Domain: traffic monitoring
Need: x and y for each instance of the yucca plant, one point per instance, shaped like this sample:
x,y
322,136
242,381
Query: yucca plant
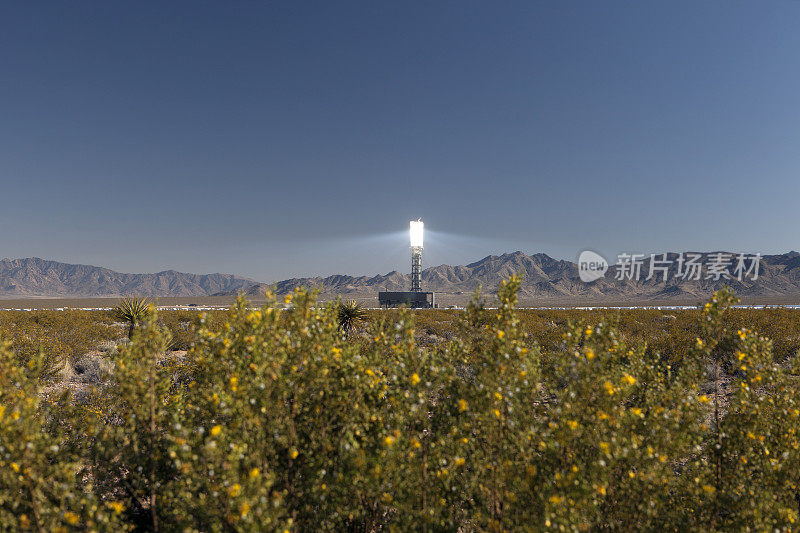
x,y
349,313
133,310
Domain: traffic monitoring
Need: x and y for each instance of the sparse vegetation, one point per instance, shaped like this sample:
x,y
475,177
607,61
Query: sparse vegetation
x,y
485,420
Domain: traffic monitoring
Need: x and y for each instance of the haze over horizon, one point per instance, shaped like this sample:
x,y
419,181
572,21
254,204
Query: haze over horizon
x,y
290,140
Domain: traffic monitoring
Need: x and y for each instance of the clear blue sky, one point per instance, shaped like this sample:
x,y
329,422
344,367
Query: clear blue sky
x,y
294,138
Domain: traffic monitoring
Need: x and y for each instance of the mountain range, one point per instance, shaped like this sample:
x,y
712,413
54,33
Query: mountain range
x,y
552,280
34,277
544,279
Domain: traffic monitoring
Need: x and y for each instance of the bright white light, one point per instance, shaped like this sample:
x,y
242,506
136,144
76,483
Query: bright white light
x,y
417,227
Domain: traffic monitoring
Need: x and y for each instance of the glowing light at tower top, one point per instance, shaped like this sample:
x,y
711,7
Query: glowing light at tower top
x,y
417,227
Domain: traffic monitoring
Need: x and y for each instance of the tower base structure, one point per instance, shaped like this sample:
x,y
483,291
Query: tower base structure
x,y
411,299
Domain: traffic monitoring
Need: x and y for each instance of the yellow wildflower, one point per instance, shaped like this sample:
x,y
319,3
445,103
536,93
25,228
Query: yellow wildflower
x,y
602,490
387,498
589,354
496,413
414,378
608,387
15,467
287,299
71,518
498,396
254,473
462,405
117,507
243,509
234,381
573,424
2,412
606,447
628,379
589,331
500,333
216,430
460,461
388,440
555,500
415,443
293,453
235,490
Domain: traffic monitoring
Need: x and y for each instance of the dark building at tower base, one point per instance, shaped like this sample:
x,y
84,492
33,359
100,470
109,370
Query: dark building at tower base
x,y
410,299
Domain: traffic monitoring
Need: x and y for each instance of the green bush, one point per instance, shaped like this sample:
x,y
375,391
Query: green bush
x,y
38,486
508,420
61,335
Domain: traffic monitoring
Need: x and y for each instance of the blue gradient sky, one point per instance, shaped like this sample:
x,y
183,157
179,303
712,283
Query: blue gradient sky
x,y
284,139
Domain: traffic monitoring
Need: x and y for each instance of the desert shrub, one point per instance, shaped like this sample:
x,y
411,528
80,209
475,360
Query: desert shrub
x,y
283,421
184,324
510,419
60,335
38,486
751,469
128,430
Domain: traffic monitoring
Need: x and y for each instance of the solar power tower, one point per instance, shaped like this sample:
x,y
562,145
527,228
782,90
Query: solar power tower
x,y
416,297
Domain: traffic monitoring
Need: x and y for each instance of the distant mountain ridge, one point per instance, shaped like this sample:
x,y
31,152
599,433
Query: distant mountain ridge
x,y
552,279
35,277
544,278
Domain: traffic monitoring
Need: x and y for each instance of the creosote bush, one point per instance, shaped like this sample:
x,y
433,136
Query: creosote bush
x,y
39,489
275,421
